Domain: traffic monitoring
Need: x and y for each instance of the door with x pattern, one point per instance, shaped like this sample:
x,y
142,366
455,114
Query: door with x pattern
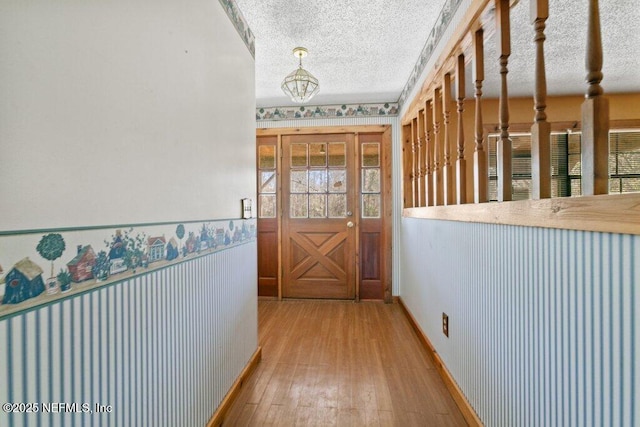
x,y
318,225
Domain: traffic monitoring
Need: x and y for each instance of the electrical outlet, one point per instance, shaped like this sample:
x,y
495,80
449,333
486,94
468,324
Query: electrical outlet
x,y
445,325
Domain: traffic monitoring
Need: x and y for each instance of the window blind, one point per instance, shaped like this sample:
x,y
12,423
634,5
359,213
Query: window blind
x,y
624,164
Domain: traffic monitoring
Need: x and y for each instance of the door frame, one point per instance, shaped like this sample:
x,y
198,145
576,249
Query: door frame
x,y
387,212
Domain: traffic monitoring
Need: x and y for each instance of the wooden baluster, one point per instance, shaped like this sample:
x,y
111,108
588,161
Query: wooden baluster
x,y
448,181
595,114
461,164
421,157
480,178
428,130
504,144
541,129
407,166
416,162
438,198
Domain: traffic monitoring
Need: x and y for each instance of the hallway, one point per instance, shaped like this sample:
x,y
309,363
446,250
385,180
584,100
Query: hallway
x,y
341,363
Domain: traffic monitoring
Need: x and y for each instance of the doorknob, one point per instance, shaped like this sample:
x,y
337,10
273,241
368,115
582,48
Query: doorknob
x,y
350,224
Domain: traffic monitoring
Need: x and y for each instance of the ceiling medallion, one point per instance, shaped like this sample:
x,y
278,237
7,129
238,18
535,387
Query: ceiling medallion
x,y
300,85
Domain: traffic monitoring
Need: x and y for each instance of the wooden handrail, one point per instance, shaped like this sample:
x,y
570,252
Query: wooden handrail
x,y
615,213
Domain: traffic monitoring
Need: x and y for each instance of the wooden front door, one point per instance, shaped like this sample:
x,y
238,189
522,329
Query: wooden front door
x,y
319,227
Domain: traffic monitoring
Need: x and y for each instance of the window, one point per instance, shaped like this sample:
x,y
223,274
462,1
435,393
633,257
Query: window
x,y
267,181
318,180
370,182
521,166
624,164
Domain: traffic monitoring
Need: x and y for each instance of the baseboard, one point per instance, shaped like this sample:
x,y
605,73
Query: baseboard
x,y
218,417
467,410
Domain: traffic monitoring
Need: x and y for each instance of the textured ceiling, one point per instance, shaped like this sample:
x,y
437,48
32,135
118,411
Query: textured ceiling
x,y
565,49
364,50
360,50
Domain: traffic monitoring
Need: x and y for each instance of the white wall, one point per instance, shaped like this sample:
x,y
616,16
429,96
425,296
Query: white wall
x,y
122,112
544,324
127,112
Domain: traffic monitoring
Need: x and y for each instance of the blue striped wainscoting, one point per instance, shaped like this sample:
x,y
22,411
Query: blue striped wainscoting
x,y
544,324
162,348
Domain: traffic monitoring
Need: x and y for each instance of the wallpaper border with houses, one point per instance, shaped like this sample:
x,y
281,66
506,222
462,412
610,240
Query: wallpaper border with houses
x,y
39,267
327,111
238,21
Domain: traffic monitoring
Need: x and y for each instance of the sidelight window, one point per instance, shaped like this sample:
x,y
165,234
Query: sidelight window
x,y
267,184
370,180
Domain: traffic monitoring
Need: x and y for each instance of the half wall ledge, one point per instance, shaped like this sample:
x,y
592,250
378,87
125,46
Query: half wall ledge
x,y
613,213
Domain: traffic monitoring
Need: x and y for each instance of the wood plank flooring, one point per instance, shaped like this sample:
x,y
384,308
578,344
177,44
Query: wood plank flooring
x,y
341,363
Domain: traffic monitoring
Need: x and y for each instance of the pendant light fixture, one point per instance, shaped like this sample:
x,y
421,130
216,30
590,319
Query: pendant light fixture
x,y
300,85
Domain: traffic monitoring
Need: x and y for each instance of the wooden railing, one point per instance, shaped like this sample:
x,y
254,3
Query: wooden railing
x,y
431,136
